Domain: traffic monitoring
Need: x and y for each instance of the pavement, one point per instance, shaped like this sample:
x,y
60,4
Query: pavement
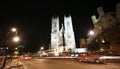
x,y
14,64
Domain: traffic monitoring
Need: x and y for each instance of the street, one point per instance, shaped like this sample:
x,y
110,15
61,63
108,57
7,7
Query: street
x,y
65,64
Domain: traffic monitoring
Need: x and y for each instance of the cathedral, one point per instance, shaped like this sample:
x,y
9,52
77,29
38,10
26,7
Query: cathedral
x,y
62,39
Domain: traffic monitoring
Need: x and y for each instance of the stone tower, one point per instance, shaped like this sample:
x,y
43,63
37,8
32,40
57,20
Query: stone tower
x,y
69,34
100,11
104,20
54,35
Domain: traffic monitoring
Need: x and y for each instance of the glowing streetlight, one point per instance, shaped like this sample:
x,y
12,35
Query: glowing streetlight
x,y
102,49
42,48
91,32
16,48
16,39
13,29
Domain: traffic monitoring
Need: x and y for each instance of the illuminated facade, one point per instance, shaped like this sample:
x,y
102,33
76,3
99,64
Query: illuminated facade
x,y
62,39
55,35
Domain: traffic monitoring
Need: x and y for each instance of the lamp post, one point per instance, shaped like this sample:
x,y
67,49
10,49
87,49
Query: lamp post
x,y
5,43
90,33
41,51
14,29
16,39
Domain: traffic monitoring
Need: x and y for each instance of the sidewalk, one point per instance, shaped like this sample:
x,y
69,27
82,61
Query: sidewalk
x,y
14,64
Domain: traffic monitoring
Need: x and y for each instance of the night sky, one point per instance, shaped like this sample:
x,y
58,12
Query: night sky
x,y
33,17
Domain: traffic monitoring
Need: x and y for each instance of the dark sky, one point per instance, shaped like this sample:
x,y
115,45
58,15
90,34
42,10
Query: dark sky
x,y
34,16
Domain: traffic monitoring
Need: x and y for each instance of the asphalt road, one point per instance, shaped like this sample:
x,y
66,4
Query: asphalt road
x,y
65,64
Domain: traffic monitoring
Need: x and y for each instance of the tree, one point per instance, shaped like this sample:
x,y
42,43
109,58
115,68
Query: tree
x,y
33,43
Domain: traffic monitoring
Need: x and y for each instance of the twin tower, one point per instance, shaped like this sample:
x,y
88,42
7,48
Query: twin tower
x,y
62,38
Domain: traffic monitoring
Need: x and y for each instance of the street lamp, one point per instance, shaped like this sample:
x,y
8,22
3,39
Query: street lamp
x,y
13,29
41,48
5,41
90,34
41,51
16,39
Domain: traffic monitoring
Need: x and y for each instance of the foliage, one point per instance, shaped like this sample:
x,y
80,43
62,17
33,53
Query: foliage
x,y
33,44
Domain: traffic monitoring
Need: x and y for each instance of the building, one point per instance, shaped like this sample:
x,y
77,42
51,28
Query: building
x,y
107,29
83,43
62,39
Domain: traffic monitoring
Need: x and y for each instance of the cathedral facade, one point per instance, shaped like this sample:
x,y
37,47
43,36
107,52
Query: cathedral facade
x,y
62,39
